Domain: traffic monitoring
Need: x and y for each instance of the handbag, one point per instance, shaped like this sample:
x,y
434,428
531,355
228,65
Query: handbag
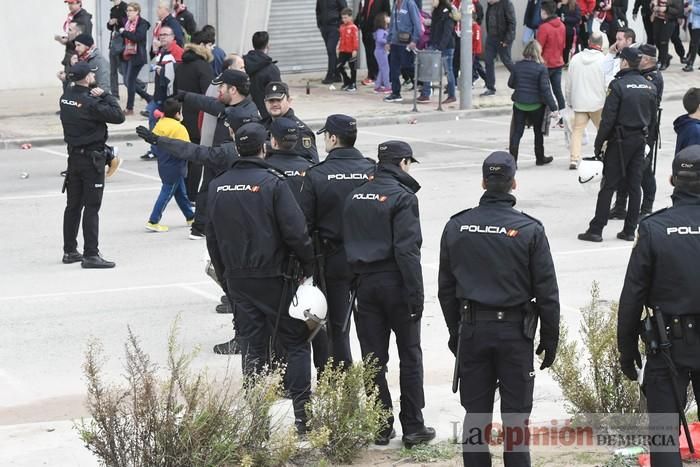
x,y
404,37
116,44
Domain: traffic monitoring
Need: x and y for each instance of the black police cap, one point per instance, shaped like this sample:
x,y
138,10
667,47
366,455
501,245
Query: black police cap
x,y
79,71
250,137
276,90
339,125
632,55
499,163
648,50
686,164
284,129
394,150
232,78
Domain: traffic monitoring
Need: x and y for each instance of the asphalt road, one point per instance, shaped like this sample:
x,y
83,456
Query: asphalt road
x,y
49,310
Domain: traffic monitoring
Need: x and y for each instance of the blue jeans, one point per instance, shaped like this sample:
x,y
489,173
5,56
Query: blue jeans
x,y
447,67
167,191
399,58
131,74
150,108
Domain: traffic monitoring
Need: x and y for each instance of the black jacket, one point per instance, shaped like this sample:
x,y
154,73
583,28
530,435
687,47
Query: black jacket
x,y
619,9
217,158
530,81
631,105
500,21
326,187
117,12
293,166
83,18
187,22
194,74
662,269
365,19
84,117
262,70
255,223
212,106
645,5
328,12
140,36
442,29
381,229
306,145
654,76
570,18
499,257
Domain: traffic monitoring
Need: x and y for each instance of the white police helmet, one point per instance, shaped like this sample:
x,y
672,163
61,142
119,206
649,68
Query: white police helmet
x,y
309,305
590,174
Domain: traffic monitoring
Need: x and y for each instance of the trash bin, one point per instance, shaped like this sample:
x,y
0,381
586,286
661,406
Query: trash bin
x,y
428,68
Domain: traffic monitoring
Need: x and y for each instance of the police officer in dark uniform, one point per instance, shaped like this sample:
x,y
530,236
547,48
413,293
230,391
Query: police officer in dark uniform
x,y
277,103
284,135
382,242
494,261
255,224
628,114
649,68
85,112
325,188
661,275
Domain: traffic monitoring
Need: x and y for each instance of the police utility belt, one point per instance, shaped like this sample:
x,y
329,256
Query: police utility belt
x,y
526,314
678,327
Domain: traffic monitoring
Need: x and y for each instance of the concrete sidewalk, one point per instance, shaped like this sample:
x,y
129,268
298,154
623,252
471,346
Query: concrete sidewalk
x,y
29,115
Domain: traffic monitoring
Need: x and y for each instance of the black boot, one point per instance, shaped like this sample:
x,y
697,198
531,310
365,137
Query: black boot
x,y
423,435
72,257
96,262
231,347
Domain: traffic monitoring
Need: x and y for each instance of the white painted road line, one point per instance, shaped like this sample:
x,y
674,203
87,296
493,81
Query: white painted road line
x,y
201,293
101,291
121,169
62,195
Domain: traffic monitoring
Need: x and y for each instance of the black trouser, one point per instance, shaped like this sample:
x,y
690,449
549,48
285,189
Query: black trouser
x,y
555,81
368,42
659,392
84,188
193,179
381,309
663,30
676,40
343,59
495,354
520,118
618,167
493,48
338,282
115,67
330,36
694,45
648,28
648,185
257,304
200,214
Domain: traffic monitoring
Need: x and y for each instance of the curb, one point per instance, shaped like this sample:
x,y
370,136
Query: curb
x,y
395,119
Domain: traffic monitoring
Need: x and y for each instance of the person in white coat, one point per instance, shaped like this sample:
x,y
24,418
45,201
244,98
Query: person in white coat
x,y
586,89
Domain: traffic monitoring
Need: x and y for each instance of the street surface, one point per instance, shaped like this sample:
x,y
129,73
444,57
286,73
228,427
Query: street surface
x,y
50,310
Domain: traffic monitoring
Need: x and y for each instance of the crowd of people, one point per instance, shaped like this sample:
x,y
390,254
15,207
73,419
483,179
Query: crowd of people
x,y
274,215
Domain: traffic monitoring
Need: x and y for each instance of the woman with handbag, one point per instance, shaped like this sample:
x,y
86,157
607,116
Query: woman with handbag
x,y
135,33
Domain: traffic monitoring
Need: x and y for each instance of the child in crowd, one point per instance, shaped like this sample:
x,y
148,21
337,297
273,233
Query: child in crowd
x,y
172,171
477,43
688,126
348,46
381,24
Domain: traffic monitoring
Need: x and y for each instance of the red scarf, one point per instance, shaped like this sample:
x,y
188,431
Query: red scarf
x,y
130,47
84,57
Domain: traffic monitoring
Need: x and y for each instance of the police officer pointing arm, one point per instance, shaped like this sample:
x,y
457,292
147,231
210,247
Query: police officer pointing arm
x,y
493,261
85,112
381,228
662,275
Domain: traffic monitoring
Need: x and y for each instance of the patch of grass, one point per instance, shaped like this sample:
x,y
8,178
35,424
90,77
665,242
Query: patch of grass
x,y
425,453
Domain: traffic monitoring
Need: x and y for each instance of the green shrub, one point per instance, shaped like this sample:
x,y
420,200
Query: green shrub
x,y
590,377
188,419
345,412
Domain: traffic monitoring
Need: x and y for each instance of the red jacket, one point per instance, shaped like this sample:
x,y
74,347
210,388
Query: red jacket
x,y
551,35
476,39
586,6
349,38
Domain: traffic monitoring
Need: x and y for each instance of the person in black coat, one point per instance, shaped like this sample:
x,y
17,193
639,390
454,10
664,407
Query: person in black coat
x,y
117,19
261,69
570,15
500,34
135,34
442,38
328,22
366,15
532,91
184,17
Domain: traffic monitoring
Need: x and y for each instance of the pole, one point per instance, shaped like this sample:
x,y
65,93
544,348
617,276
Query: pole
x,y
465,58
